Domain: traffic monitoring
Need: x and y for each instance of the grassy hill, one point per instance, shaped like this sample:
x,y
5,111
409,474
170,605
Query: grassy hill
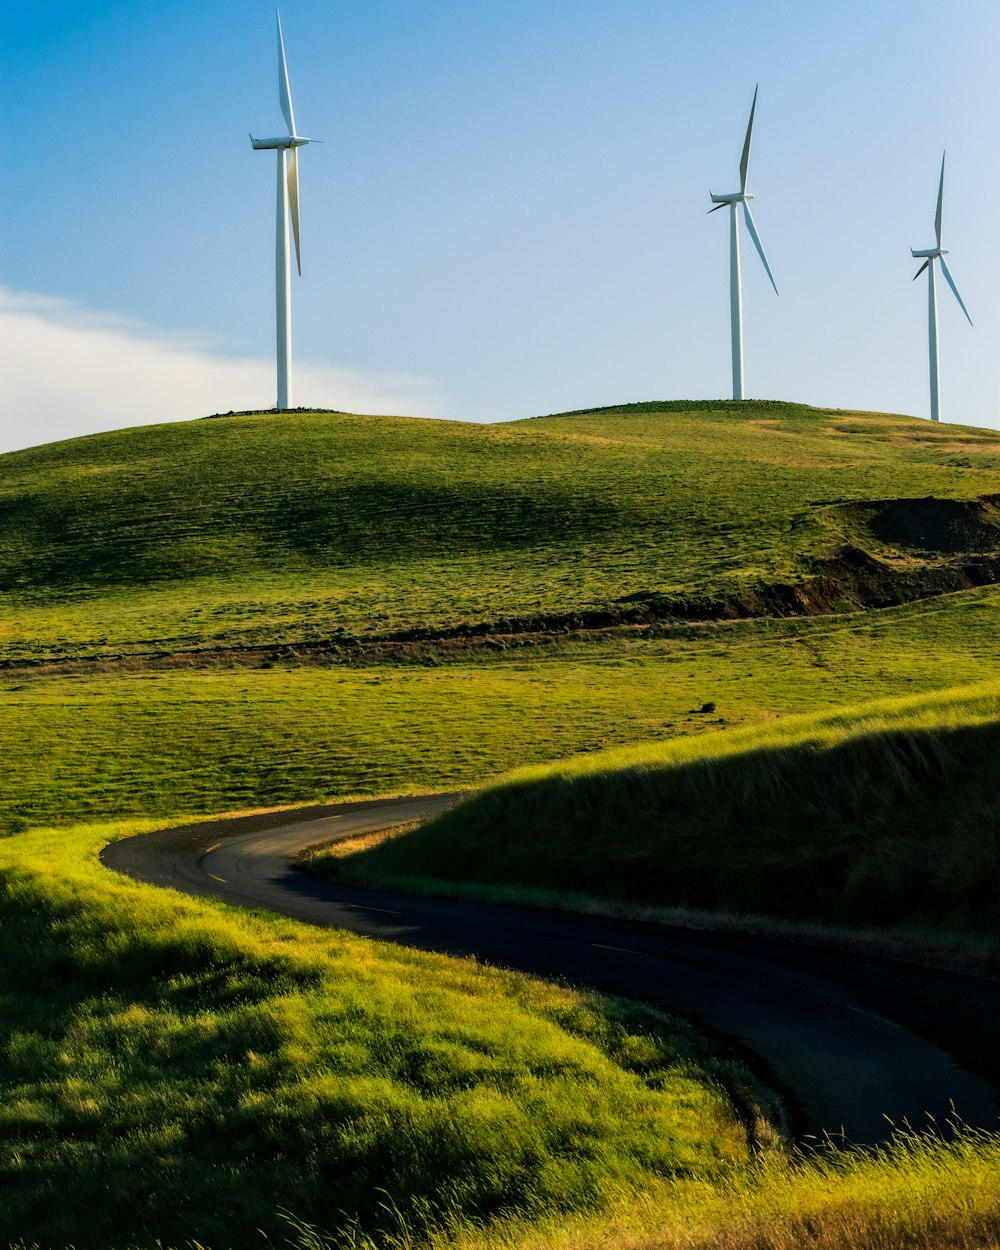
x,y
311,526
177,1074
286,550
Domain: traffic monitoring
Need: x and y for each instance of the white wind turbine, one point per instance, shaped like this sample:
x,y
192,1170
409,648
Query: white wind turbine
x,y
742,196
287,147
932,254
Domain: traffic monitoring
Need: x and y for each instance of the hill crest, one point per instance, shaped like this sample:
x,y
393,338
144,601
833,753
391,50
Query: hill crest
x,y
305,527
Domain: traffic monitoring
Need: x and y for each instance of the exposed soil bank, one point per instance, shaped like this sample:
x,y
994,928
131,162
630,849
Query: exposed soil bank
x,y
847,582
929,526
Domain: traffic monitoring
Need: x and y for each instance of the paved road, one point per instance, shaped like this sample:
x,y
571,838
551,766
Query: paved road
x,y
848,1039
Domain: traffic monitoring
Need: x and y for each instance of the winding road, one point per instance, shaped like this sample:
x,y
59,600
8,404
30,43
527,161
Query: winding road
x,y
853,1042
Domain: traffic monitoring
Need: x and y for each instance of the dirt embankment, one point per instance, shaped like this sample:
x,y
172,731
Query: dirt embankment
x,y
930,527
849,581
894,551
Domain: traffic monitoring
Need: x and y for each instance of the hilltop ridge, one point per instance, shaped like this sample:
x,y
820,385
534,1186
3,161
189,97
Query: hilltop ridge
x,y
305,526
694,405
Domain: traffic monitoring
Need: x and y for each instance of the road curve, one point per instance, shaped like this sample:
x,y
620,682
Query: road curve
x,y
853,1041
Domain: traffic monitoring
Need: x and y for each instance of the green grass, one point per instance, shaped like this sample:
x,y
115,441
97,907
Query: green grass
x,y
188,1069
249,529
884,816
79,747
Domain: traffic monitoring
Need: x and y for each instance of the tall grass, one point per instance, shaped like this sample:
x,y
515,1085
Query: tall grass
x,y
886,815
915,1193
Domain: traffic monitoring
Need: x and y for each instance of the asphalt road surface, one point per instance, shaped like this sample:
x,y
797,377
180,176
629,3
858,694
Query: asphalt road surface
x,y
854,1042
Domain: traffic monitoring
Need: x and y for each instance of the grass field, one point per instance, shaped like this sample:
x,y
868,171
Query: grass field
x,y
170,1070
200,740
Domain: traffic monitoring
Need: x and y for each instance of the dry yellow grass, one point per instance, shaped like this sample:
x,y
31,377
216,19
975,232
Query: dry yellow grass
x,y
919,1193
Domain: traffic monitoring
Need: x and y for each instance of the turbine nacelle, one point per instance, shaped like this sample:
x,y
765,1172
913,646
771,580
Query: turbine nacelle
x,y
930,252
282,141
735,197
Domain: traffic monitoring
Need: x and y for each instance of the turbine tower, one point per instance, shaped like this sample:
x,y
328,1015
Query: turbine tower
x,y
734,200
932,254
287,148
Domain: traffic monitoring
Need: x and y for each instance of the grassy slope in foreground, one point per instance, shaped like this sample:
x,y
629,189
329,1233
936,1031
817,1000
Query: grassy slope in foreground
x,y
191,1069
879,816
253,529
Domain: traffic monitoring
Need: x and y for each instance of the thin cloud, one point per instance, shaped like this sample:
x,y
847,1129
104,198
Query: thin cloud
x,y
66,371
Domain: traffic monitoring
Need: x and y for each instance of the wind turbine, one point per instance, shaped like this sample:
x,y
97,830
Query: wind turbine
x,y
287,148
931,255
742,196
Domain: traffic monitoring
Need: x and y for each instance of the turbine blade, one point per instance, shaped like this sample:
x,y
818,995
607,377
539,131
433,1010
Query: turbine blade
x,y
757,243
293,202
284,92
951,282
745,158
717,207
921,269
937,215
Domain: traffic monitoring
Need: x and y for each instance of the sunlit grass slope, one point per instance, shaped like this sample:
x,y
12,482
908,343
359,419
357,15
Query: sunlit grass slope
x,y
250,528
916,1193
887,815
172,1069
190,1072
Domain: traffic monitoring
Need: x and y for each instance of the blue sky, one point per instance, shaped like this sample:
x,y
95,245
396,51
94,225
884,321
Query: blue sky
x,y
508,213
